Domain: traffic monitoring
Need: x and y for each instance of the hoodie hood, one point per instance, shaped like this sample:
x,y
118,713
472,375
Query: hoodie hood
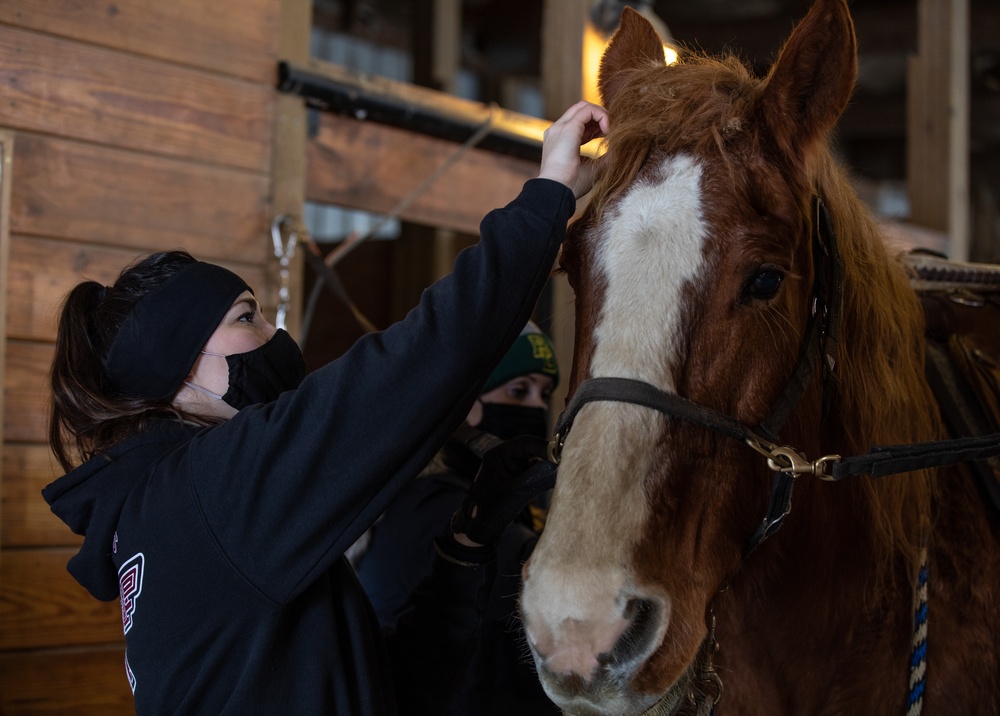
x,y
90,499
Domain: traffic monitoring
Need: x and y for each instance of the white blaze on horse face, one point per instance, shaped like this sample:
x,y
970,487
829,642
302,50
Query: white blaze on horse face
x,y
651,249
580,579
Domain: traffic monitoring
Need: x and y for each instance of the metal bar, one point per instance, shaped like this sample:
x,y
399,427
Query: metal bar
x,y
334,88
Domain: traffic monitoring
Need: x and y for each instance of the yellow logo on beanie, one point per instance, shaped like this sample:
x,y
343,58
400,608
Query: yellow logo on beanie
x,y
540,349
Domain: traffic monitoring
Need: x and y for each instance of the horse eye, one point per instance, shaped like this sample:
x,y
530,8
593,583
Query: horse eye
x,y
765,284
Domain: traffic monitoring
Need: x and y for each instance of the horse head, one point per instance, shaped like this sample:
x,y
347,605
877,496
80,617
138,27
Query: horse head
x,y
695,269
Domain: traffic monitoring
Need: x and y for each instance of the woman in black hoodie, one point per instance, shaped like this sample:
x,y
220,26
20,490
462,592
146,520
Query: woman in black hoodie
x,y
219,490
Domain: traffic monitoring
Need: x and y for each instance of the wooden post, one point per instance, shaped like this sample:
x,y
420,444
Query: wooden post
x,y
436,64
563,24
6,165
938,122
288,161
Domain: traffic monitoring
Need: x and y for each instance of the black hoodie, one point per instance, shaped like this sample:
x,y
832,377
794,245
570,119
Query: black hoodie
x,y
225,545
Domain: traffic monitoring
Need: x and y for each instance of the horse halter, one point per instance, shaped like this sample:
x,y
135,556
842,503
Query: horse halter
x,y
820,344
821,339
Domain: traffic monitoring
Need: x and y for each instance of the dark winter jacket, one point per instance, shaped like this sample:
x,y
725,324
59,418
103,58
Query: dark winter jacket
x,y
225,545
398,553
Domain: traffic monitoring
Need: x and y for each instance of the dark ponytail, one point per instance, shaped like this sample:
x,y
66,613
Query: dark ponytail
x,y
89,415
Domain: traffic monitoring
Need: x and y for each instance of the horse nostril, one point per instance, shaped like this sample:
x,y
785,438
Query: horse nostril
x,y
643,616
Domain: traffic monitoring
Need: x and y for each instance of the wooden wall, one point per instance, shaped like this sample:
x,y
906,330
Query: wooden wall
x,y
137,125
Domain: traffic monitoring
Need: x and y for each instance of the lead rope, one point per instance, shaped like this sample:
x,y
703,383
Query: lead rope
x,y
918,657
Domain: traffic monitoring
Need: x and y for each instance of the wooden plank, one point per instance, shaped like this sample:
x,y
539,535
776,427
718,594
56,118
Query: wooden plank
x,y
120,198
26,392
288,168
236,37
373,167
563,24
938,122
64,88
6,167
36,296
26,518
67,681
42,605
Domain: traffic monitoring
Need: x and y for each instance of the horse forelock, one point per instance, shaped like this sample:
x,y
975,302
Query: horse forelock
x,y
695,107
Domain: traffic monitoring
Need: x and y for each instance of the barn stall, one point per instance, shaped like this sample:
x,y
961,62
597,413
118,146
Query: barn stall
x,y
132,126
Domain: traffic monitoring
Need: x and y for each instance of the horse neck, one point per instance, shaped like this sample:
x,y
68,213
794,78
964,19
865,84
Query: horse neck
x,y
806,610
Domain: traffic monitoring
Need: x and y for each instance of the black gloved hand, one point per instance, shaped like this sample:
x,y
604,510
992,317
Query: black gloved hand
x,y
511,474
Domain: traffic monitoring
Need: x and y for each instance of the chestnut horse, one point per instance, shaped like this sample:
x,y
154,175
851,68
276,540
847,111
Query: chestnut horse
x,y
703,267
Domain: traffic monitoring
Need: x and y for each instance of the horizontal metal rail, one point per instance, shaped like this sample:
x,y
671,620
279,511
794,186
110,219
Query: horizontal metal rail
x,y
335,88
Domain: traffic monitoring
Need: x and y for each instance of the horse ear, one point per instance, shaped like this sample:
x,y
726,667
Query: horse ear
x,y
635,44
813,78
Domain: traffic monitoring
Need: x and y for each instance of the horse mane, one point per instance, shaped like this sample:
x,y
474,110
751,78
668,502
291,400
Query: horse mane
x,y
882,396
705,107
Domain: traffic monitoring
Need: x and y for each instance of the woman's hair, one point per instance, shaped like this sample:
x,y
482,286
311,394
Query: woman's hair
x,y
89,415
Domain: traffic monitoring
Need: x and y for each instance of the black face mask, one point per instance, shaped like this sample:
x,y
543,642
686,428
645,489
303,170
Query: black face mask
x,y
510,421
261,375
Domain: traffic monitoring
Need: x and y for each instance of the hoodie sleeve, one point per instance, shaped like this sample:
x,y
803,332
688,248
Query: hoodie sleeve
x,y
285,488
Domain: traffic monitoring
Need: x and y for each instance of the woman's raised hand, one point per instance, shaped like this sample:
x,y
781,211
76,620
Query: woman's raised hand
x,y
561,160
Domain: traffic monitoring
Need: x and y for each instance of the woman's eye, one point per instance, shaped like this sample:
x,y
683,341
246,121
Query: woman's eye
x,y
765,284
248,316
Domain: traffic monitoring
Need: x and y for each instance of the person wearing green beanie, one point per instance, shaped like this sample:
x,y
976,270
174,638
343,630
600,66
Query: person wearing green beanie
x,y
515,398
395,553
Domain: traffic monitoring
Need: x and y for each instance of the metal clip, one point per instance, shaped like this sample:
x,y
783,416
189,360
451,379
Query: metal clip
x,y
555,447
283,251
787,459
706,675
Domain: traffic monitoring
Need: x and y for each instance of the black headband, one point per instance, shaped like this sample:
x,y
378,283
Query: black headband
x,y
161,337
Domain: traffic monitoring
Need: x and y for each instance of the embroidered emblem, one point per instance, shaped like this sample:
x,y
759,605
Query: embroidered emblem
x,y
129,588
540,349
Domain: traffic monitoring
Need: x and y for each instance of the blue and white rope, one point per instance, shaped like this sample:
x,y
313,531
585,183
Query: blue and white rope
x,y
918,657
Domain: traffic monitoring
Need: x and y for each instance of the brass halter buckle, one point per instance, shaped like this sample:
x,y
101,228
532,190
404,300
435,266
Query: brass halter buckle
x,y
556,446
787,459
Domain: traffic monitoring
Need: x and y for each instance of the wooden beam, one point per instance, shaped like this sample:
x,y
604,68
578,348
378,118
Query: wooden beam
x,y
42,605
27,520
562,85
64,88
6,171
938,123
374,167
34,296
233,37
66,681
288,168
408,106
64,189
436,63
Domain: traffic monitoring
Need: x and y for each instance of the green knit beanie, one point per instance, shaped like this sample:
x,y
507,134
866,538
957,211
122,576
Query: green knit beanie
x,y
532,352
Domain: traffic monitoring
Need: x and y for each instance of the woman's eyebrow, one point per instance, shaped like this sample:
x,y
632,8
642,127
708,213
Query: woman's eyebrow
x,y
250,301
